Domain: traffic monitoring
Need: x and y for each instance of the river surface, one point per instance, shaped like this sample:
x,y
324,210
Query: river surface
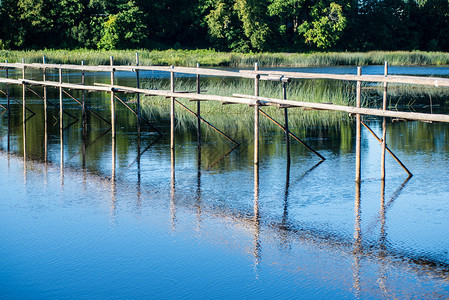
x,y
80,220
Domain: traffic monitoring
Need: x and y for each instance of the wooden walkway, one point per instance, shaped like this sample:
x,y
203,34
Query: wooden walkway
x,y
255,100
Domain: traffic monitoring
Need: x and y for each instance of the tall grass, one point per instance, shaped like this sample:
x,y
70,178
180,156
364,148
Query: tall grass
x,y
213,58
238,116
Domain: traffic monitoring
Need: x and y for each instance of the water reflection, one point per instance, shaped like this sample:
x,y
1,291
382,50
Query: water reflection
x,y
281,203
357,245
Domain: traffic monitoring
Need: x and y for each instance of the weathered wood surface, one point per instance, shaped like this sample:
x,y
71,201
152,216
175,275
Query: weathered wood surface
x,y
184,70
239,99
419,80
262,101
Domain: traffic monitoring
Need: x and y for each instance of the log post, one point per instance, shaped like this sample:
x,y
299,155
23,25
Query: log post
x,y
198,107
256,116
9,110
23,93
138,94
358,129
7,94
83,98
44,61
112,99
61,107
172,109
384,125
287,131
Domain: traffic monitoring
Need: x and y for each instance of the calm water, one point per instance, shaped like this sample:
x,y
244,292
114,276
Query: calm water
x,y
94,223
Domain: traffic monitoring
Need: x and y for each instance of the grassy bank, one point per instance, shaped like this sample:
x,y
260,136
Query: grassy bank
x,y
213,58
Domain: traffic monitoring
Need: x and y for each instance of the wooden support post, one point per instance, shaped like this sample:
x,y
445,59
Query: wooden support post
x,y
198,108
9,110
44,77
138,94
44,61
7,93
172,110
61,107
384,126
256,117
83,95
112,99
287,131
23,94
358,129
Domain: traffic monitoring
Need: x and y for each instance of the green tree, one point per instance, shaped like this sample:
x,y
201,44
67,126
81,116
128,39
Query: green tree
x,y
125,29
225,27
327,26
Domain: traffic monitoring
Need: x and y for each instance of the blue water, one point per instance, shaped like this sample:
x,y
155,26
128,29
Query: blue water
x,y
128,226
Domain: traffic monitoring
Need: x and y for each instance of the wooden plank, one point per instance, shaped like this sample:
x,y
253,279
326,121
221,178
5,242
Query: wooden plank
x,y
353,110
419,80
243,99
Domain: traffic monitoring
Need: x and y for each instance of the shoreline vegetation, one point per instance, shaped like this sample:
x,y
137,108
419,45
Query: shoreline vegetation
x,y
212,58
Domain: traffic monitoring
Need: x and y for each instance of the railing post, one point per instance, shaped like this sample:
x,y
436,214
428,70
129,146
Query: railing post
x,y
23,93
44,77
172,109
7,93
112,98
61,124
198,107
138,94
256,116
61,107
384,126
358,129
287,130
83,98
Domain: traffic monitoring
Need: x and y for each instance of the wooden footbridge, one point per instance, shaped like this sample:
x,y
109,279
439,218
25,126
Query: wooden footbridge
x,y
256,100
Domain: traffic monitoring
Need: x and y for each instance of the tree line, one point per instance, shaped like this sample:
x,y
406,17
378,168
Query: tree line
x,y
226,25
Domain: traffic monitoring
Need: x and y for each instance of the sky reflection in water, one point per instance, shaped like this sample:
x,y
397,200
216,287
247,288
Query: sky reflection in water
x,y
143,229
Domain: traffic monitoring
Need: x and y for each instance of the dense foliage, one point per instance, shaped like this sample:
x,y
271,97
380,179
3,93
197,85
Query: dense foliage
x,y
237,25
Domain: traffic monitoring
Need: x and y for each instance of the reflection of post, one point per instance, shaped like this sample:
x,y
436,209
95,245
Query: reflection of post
x,y
198,190
84,124
139,191
113,183
284,233
358,129
172,110
112,99
382,242
384,126
256,219
198,108
357,241
172,190
256,116
61,134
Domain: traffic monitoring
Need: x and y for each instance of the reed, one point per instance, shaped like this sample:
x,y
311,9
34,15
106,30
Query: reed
x,y
240,117
211,57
